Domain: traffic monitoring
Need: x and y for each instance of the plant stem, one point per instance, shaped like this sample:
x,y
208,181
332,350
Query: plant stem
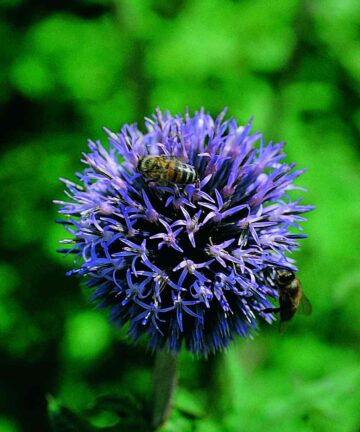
x,y
164,383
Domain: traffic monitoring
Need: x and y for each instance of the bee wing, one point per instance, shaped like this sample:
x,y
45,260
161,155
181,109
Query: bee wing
x,y
305,307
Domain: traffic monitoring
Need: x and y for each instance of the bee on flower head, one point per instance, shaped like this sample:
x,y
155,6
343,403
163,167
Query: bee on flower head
x,y
166,169
291,298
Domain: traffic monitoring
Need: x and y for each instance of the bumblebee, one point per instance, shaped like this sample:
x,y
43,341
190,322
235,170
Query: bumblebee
x,y
291,298
166,169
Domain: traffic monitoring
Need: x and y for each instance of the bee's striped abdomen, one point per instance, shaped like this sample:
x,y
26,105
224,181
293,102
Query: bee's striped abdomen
x,y
181,173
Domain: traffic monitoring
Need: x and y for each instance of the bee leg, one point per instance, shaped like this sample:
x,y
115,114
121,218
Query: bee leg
x,y
283,326
150,183
197,183
271,310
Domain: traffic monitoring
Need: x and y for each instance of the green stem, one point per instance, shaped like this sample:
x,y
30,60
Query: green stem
x,y
164,384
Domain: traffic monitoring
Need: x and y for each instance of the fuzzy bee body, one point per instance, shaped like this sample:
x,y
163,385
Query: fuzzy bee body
x,y
167,169
291,297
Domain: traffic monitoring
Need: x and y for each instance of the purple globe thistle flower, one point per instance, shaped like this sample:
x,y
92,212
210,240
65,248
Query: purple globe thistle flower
x,y
184,263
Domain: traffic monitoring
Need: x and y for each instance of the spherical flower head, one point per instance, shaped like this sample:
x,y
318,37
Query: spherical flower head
x,y
185,263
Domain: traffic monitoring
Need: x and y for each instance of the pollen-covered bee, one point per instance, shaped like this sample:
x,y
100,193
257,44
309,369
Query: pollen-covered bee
x,y
291,298
166,169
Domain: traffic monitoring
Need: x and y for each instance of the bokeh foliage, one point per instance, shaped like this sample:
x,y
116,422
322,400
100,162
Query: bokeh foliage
x,y
68,68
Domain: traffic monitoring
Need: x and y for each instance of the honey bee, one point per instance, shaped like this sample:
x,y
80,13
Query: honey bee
x,y
166,169
291,298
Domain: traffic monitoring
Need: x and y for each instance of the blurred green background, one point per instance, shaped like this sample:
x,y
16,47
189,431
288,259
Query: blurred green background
x,y
70,67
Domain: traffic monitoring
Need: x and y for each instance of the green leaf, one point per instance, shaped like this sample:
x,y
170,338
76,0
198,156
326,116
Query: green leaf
x,y
65,420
